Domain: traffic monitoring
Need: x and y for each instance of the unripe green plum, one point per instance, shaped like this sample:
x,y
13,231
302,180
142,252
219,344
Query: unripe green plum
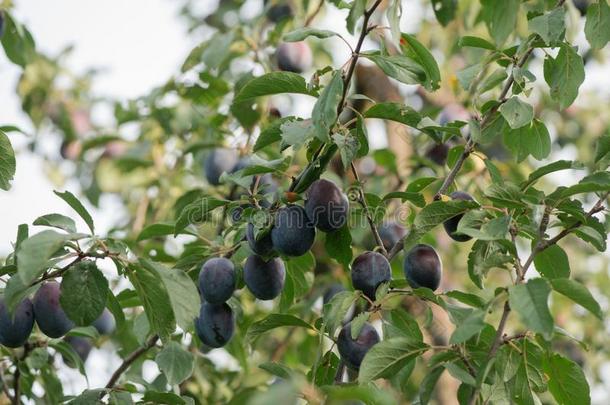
x,y
264,279
352,351
293,233
422,267
50,317
217,280
215,325
452,223
369,270
326,206
15,329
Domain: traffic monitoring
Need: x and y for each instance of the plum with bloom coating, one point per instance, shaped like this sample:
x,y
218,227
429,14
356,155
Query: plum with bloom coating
x,y
451,224
50,316
293,233
15,329
326,206
217,280
265,279
369,270
352,351
422,267
215,325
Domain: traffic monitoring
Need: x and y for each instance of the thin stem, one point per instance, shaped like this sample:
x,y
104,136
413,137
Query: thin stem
x,y
367,212
314,14
129,360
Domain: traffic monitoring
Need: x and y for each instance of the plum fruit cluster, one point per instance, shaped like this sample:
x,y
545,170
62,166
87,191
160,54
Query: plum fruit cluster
x,y
45,310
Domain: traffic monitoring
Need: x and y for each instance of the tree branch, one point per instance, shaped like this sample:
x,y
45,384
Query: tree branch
x,y
129,360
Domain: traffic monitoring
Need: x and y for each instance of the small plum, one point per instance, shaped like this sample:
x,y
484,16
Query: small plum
x,y
50,317
390,233
452,223
15,329
215,324
369,270
352,351
423,267
293,233
217,280
82,346
264,279
326,206
105,324
294,57
220,160
438,153
263,246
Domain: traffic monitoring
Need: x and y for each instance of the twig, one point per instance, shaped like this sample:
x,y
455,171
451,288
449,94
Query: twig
x,y
129,360
314,14
365,206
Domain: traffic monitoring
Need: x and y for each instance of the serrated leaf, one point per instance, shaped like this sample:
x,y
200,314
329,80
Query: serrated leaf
x,y
7,162
336,309
530,301
387,357
550,26
567,382
500,18
324,114
273,321
272,83
196,212
357,324
564,75
78,207
302,33
176,363
338,245
533,139
469,326
83,293
35,252
399,67
475,42
418,52
577,293
553,262
597,26
56,221
516,112
551,168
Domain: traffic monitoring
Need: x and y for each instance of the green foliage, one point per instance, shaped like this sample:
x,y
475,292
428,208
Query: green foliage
x,y
512,303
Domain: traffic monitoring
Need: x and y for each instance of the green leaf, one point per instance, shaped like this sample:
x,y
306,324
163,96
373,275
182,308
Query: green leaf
x,y
336,310
483,257
399,67
460,374
56,221
602,147
357,10
418,52
387,357
476,42
577,293
530,301
271,133
550,168
597,26
433,214
276,369
348,147
596,182
368,394
402,324
426,388
357,324
78,207
324,114
35,252
272,83
567,382
516,112
339,245
416,198
297,133
444,10
7,162
302,33
507,195
183,294
500,18
494,229
196,212
564,75
17,41
69,353
83,293
549,26
533,139
466,75
273,321
176,363
469,326
553,262
394,112
15,291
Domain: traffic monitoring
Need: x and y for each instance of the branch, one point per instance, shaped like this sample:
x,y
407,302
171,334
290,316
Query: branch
x,y
346,84
129,360
362,201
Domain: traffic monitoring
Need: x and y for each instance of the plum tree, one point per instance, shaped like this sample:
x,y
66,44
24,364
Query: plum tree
x,y
15,329
326,205
215,324
422,267
352,351
50,317
293,233
217,280
264,279
294,57
105,323
452,223
369,270
263,246
219,160
390,233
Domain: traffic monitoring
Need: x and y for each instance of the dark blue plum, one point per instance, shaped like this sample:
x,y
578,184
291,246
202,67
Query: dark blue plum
x,y
15,329
264,279
50,317
352,351
293,233
326,206
333,290
422,267
105,324
1,23
215,324
390,233
452,223
369,270
217,162
263,246
217,280
82,346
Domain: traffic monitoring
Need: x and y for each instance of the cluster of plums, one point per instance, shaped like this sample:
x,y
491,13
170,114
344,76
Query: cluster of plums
x,y
46,311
